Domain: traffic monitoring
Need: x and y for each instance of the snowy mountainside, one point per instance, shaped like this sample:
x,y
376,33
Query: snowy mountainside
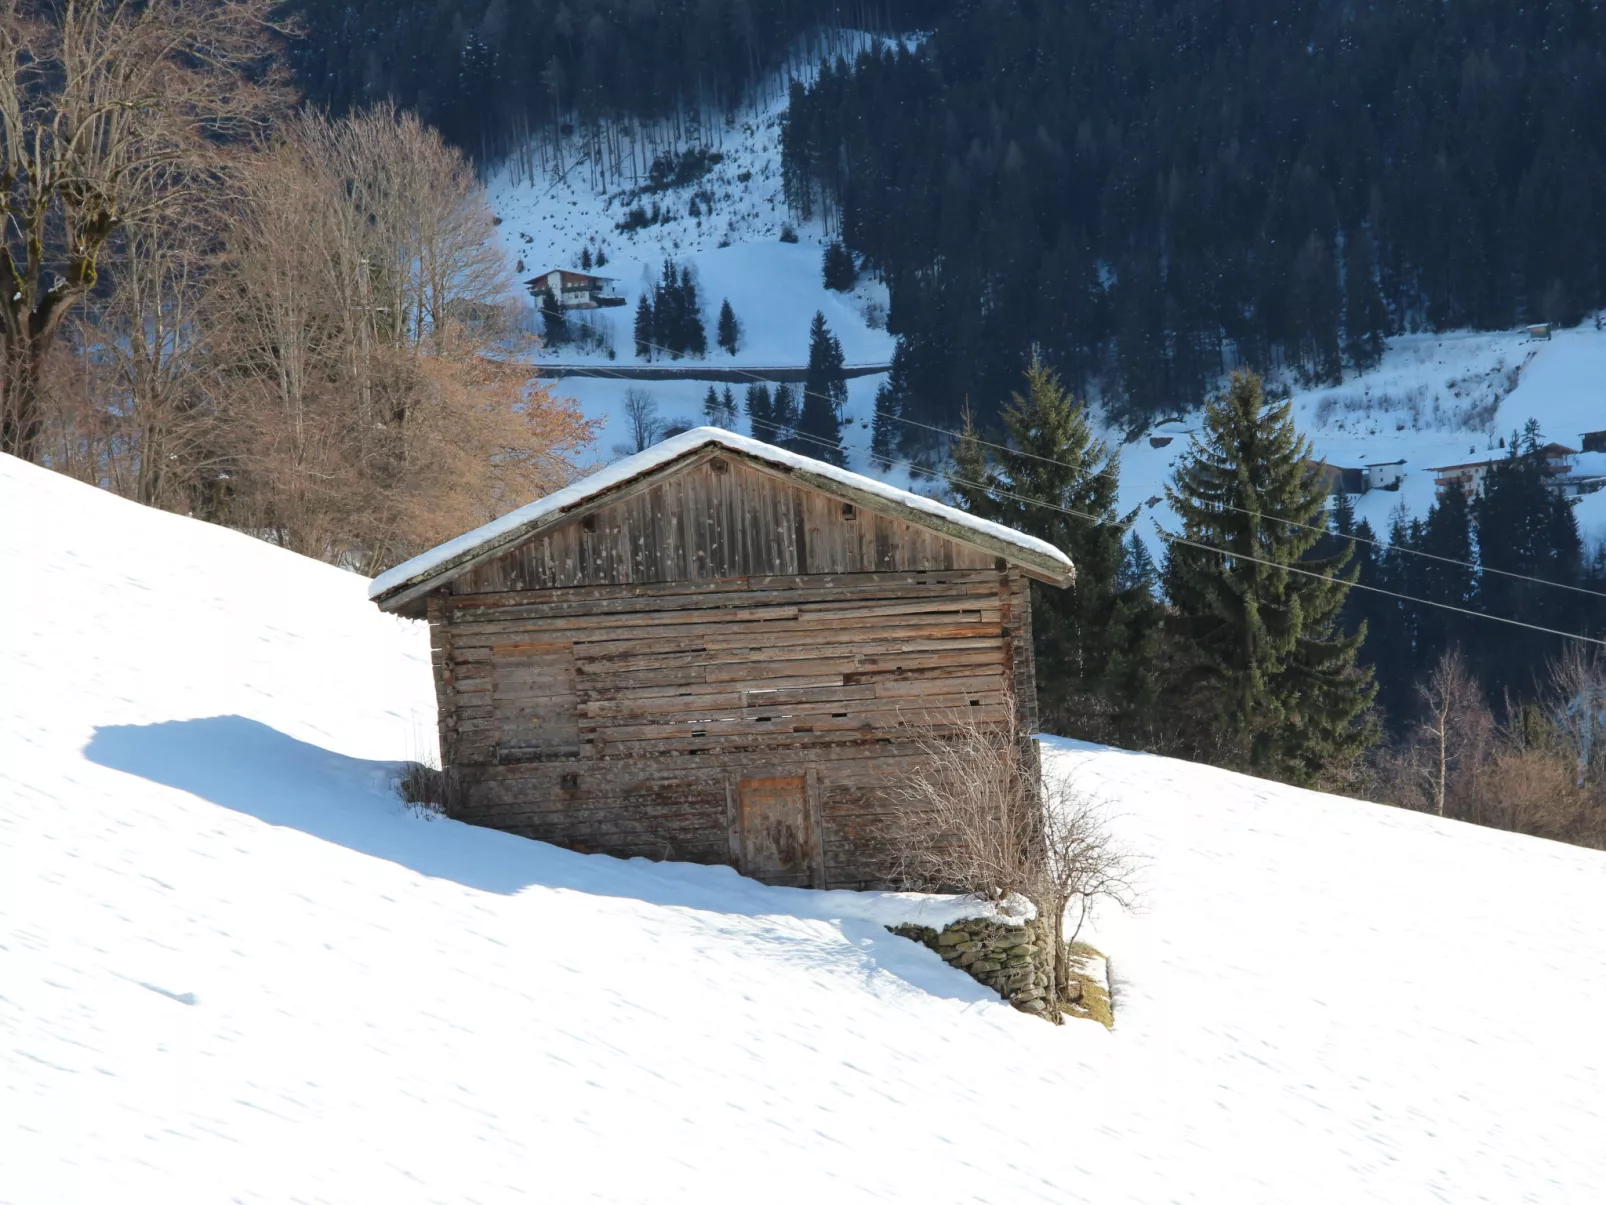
x,y
1436,399
235,967
733,248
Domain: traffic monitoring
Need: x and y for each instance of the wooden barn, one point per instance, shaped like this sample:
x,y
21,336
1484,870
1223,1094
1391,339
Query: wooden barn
x,y
718,651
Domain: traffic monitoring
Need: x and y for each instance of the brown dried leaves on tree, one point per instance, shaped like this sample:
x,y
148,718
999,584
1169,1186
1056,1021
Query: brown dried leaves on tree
x,y
112,113
383,407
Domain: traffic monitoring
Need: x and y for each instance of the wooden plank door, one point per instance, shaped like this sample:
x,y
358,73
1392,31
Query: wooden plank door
x,y
777,832
535,703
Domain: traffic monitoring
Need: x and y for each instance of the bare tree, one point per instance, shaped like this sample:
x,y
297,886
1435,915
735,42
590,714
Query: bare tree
x,y
111,112
641,416
1576,704
1083,865
1452,708
976,816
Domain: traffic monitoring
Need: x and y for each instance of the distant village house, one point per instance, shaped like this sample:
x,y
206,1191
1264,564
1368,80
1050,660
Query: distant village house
x,y
1335,479
574,290
1558,468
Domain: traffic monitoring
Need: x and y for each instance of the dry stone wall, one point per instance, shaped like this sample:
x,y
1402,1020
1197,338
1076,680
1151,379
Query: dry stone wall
x,y
1016,961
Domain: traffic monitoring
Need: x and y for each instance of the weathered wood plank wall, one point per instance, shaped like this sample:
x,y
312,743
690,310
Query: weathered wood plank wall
x,y
612,684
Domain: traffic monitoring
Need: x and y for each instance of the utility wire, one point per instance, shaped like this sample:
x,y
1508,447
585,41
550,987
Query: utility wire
x,y
1111,473
780,429
1431,556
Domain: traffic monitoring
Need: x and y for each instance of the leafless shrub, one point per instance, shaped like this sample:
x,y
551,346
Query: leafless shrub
x,y
975,816
1542,771
428,789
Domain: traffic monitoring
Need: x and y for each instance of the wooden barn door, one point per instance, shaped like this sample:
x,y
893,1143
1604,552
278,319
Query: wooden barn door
x,y
536,705
777,831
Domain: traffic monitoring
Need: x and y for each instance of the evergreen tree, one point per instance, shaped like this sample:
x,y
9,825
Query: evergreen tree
x,y
825,371
554,323
585,259
1524,528
1093,640
694,338
1366,318
729,330
838,268
713,408
1263,645
884,435
1138,570
761,413
1445,574
787,412
646,331
825,392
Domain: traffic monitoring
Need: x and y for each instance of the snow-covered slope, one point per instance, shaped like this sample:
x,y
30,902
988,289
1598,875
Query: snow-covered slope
x,y
1435,400
733,248
234,967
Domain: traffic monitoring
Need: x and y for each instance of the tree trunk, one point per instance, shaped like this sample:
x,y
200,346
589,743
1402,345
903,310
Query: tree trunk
x,y
23,424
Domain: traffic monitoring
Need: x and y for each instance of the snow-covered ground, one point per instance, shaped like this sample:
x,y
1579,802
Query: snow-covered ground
x,y
234,967
733,249
1435,400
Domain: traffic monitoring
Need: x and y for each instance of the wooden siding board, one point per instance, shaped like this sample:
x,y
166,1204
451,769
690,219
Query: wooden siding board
x,y
610,689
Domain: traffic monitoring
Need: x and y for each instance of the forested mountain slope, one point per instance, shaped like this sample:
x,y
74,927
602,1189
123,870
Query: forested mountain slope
x,y
1150,193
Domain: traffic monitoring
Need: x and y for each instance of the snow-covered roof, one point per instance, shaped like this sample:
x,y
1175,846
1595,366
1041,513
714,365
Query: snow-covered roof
x,y
430,569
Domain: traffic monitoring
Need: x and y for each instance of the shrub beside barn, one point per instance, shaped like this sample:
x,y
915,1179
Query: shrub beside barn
x,y
720,652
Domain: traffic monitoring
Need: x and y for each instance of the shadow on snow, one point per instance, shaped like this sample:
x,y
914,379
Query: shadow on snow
x,y
251,768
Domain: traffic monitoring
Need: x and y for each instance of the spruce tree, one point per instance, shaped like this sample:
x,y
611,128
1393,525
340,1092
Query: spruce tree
x,y
1366,318
729,330
884,437
713,408
838,268
761,413
825,371
727,407
787,412
1263,646
1524,528
694,340
585,259
646,330
1093,640
554,323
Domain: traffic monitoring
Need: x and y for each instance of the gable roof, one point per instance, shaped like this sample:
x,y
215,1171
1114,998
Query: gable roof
x,y
429,570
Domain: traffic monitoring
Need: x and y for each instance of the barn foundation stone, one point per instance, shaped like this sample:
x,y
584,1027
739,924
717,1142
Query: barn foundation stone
x,y
1016,961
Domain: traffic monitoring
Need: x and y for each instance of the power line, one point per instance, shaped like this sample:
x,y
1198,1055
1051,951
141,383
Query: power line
x,y
1417,552
1431,556
1533,627
781,429
1174,539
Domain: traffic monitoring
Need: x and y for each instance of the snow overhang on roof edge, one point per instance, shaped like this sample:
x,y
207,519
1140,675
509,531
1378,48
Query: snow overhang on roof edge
x,y
421,573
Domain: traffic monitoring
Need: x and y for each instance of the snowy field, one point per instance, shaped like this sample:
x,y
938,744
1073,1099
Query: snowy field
x,y
1435,400
234,967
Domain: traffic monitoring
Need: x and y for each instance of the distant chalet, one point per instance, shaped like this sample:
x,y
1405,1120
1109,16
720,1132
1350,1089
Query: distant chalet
x,y
574,290
720,652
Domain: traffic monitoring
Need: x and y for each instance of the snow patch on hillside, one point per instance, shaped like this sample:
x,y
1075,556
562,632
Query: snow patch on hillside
x,y
1435,400
733,249
235,967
